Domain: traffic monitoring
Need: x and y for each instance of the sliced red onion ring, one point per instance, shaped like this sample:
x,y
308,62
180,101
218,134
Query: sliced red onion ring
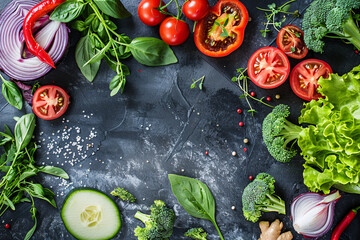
x,y
14,60
313,214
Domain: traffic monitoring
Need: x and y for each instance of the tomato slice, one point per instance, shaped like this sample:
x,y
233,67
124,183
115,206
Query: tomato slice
x,y
290,40
221,31
268,67
304,78
50,102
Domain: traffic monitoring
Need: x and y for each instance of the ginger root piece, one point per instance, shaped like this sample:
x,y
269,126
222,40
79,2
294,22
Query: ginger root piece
x,y
273,231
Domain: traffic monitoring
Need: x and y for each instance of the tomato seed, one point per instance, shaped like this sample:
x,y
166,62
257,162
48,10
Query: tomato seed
x,y
252,94
241,124
7,225
251,178
277,96
239,111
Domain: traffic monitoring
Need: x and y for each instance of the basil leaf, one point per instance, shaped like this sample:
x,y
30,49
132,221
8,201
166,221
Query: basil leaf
x,y
98,56
24,130
152,51
27,174
67,11
114,66
195,197
113,8
79,25
84,53
12,93
117,83
32,230
54,171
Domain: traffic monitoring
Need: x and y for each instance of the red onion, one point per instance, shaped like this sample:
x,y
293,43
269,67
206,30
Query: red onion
x,y
313,213
15,61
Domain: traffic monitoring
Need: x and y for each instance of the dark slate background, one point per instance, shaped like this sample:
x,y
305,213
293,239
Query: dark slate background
x,y
161,126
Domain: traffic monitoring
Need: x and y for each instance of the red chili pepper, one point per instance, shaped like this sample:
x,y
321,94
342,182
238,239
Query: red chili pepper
x,y
343,224
34,14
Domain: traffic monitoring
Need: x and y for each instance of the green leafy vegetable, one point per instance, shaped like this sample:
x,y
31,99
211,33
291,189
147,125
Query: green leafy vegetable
x,y
152,51
18,164
195,197
193,85
12,93
113,8
68,11
123,195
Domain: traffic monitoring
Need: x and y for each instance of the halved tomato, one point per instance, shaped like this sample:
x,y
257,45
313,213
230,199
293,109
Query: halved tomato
x,y
304,78
268,67
50,102
290,40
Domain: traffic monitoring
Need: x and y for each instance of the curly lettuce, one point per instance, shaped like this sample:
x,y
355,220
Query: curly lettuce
x,y
330,145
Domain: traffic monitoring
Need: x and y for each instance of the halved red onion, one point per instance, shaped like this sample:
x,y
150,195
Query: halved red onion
x,y
312,213
14,60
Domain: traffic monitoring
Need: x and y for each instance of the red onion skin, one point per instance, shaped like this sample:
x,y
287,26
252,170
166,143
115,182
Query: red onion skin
x,y
12,42
331,209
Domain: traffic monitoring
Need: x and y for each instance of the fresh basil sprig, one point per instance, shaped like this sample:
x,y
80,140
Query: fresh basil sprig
x,y
101,41
12,93
18,164
195,197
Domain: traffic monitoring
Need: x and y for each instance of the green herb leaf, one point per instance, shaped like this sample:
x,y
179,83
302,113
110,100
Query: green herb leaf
x,y
27,174
217,23
99,55
67,11
9,202
286,8
59,172
234,79
30,233
152,51
242,96
292,49
113,8
224,33
111,24
79,26
89,19
12,93
226,22
195,197
83,53
24,130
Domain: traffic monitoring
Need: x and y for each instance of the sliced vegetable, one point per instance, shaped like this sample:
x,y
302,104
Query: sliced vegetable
x,y
290,40
339,229
313,214
174,31
38,11
304,78
15,59
148,14
195,9
221,31
268,67
90,214
50,102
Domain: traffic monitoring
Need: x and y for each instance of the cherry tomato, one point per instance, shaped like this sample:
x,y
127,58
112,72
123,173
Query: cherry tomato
x,y
221,31
304,78
148,15
268,67
196,9
290,40
50,102
174,31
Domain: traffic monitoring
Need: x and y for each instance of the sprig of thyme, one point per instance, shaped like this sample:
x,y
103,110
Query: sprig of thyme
x,y
272,16
241,80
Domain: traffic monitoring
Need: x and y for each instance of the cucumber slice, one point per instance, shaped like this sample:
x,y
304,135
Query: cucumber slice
x,y
90,215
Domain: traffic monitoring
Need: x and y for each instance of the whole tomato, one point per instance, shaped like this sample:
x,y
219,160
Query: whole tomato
x,y
174,31
148,14
196,9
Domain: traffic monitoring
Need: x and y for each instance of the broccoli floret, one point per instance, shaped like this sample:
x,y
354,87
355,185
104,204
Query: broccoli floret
x,y
278,132
123,195
159,225
196,233
259,195
333,19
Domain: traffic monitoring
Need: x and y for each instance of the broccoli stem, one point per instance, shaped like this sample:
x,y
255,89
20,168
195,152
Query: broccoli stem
x,y
142,217
290,132
352,32
277,204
